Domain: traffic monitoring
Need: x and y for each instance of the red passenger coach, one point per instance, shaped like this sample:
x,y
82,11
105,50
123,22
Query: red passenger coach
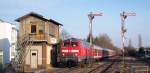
x,y
97,52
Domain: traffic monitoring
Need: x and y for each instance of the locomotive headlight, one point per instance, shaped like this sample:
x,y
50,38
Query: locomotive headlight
x,y
63,54
65,50
74,50
76,54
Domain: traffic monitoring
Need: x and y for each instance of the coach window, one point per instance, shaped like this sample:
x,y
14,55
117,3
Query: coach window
x,y
74,43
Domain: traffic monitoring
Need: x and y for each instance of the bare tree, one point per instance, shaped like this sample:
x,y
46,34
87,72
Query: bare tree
x,y
140,41
130,50
104,41
130,44
65,34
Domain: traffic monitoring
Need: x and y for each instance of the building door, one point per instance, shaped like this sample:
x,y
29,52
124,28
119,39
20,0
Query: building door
x,y
34,59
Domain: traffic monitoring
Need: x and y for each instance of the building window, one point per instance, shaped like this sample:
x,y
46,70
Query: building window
x,y
41,28
33,54
52,30
33,28
27,21
13,50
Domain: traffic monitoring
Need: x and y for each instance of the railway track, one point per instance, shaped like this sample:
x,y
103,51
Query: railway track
x,y
74,69
108,66
78,69
101,68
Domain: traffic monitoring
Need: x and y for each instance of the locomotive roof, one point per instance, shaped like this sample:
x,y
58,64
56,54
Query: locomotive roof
x,y
107,49
97,47
72,39
86,43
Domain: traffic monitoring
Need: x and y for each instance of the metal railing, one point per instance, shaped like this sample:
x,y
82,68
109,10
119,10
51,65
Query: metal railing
x,y
39,37
23,46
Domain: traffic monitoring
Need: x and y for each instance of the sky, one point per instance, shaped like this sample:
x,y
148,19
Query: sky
x,y
73,15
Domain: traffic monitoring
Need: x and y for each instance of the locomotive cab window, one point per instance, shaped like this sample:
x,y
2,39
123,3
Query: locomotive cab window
x,y
74,43
66,43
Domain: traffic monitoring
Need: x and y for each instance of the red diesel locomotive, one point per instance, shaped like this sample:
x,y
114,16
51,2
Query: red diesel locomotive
x,y
76,50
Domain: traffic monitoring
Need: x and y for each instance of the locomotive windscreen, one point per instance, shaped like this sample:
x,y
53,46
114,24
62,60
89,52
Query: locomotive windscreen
x,y
66,43
70,43
74,43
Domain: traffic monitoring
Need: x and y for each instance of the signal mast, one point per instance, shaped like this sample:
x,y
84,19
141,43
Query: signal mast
x,y
91,16
123,16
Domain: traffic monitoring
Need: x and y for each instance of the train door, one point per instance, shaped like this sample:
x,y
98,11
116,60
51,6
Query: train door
x,y
34,59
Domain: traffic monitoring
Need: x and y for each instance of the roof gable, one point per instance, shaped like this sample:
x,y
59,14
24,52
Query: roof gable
x,y
37,16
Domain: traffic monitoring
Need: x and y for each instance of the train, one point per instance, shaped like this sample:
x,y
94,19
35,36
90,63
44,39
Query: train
x,y
75,50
